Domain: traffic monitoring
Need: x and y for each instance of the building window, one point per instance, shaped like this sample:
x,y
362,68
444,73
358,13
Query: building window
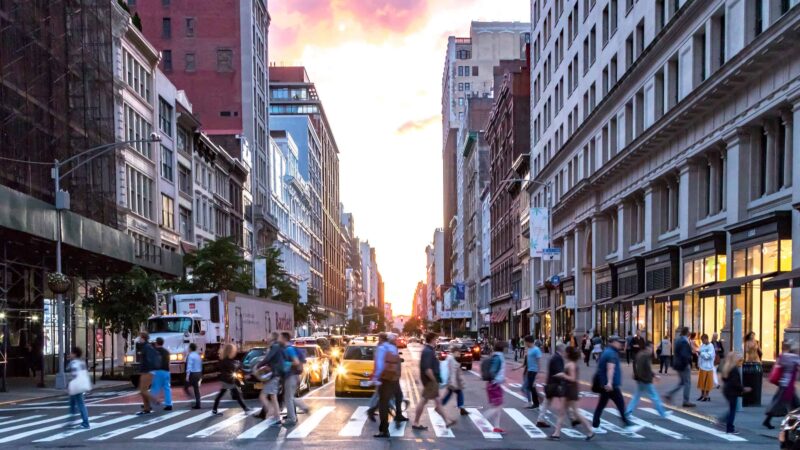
x,y
190,22
137,129
464,54
140,191
474,71
224,60
166,27
166,164
185,179
166,56
136,76
190,64
165,116
613,231
670,198
167,212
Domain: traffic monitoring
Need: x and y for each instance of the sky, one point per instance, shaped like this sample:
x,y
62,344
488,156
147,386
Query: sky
x,y
377,66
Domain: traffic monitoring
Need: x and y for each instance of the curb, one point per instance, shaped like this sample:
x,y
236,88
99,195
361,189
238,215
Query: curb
x,y
61,394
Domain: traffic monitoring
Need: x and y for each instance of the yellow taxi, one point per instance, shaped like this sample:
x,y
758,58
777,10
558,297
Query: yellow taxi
x,y
355,369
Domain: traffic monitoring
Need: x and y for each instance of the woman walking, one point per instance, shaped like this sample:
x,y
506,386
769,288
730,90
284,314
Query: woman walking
x,y
665,355
570,377
785,398
455,379
494,387
732,388
78,385
227,370
705,362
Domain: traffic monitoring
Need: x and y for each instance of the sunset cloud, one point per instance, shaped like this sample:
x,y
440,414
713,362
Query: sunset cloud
x,y
419,124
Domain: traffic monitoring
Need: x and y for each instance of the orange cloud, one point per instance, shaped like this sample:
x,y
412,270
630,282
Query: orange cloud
x,y
419,124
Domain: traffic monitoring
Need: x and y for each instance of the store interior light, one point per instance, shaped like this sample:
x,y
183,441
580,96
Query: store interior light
x,y
35,318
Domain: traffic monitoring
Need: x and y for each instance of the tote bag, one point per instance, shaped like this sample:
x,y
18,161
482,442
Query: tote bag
x,y
80,384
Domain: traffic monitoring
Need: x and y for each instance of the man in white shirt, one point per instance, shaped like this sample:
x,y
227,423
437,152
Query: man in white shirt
x,y
194,373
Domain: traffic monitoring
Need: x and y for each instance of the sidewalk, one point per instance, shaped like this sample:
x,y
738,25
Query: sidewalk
x,y
749,417
21,389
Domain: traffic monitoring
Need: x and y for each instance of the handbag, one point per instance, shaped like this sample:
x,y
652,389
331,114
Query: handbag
x,y
80,384
597,385
775,374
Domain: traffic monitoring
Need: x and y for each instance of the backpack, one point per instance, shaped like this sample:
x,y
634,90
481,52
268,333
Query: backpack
x,y
391,367
487,368
152,357
301,357
278,363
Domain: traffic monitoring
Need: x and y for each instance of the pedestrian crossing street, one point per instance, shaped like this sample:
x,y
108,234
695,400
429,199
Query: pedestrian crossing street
x,y
334,422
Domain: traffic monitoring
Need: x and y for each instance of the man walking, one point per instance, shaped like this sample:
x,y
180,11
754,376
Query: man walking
x,y
628,347
386,377
430,378
644,376
291,380
399,401
682,363
532,358
194,373
149,361
373,401
609,376
161,378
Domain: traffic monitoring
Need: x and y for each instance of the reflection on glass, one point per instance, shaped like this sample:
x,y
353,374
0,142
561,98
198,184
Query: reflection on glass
x,y
709,267
722,267
786,255
754,260
784,311
768,325
721,313
708,327
687,274
739,265
770,256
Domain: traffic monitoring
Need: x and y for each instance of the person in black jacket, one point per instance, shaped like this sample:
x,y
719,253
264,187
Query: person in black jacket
x,y
732,388
682,363
227,374
149,360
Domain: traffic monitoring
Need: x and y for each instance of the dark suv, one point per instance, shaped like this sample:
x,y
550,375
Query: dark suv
x,y
465,360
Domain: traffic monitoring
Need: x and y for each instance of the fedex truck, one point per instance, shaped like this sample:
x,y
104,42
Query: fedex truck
x,y
211,320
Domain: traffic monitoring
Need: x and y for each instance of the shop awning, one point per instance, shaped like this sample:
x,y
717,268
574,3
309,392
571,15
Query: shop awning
x,y
584,308
521,310
642,296
500,314
677,293
732,286
782,281
613,300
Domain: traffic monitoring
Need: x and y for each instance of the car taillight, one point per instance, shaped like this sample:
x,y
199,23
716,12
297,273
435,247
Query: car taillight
x,y
476,350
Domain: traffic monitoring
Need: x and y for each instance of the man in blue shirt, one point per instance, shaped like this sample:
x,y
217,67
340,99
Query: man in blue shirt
x,y
194,373
609,375
533,355
388,379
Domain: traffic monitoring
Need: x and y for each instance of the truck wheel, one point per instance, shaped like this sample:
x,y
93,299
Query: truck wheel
x,y
135,381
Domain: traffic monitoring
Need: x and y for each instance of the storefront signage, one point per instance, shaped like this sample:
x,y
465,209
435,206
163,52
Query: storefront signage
x,y
455,315
551,254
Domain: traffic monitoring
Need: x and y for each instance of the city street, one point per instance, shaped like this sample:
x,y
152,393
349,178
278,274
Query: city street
x,y
343,423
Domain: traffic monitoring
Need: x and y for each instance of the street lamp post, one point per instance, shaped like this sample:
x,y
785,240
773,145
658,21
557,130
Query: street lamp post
x,y
62,202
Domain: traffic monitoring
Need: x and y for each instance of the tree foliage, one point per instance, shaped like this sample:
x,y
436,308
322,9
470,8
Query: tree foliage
x,y
413,326
218,266
124,302
353,326
373,314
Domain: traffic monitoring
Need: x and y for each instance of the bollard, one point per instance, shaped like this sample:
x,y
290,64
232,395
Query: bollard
x,y
738,345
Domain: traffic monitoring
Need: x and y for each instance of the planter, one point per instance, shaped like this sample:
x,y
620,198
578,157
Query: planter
x,y
58,282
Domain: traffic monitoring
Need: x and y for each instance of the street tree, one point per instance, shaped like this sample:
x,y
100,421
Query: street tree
x,y
412,326
281,287
373,314
353,326
218,266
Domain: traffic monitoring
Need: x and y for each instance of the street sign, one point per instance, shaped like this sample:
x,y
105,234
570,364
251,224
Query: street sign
x,y
555,280
551,254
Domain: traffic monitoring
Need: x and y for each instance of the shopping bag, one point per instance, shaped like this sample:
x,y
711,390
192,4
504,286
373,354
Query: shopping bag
x,y
80,384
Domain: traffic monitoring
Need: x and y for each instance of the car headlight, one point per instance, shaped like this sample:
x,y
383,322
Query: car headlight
x,y
335,353
315,366
129,358
341,370
173,357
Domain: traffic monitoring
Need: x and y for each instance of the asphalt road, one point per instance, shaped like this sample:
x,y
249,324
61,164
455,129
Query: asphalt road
x,y
342,423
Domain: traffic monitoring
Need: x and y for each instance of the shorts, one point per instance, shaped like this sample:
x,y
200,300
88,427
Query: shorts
x,y
495,393
705,380
430,390
271,387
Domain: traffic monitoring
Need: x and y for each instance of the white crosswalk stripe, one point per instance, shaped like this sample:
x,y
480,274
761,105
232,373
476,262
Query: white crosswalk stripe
x,y
147,423
398,429
38,422
484,426
256,430
698,427
652,426
22,419
162,431
94,426
527,426
208,431
24,434
606,425
356,423
305,428
439,425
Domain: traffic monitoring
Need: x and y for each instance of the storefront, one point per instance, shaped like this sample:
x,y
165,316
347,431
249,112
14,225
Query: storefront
x,y
500,327
630,282
565,313
660,275
760,249
541,318
603,303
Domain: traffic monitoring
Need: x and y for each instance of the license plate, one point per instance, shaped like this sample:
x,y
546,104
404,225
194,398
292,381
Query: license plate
x,y
258,386
365,384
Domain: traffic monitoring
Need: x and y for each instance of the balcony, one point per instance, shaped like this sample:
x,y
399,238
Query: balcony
x,y
521,164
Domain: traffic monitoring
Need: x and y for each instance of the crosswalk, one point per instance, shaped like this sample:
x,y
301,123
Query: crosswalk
x,y
331,422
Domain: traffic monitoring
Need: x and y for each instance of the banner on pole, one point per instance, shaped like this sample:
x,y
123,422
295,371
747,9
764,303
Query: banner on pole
x,y
261,273
539,229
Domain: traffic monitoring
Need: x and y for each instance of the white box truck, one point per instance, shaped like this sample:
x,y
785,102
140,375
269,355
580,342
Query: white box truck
x,y
211,320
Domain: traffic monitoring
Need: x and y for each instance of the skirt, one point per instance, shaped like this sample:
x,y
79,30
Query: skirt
x,y
705,380
495,393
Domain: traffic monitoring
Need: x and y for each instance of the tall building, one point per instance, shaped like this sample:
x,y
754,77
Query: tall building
x,y
468,73
354,272
292,93
218,54
366,272
666,136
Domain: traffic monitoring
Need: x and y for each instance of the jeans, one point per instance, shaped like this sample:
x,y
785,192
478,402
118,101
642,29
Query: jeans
x,y
530,381
685,383
666,360
459,397
161,380
235,394
386,391
649,390
289,400
194,382
77,405
615,396
731,414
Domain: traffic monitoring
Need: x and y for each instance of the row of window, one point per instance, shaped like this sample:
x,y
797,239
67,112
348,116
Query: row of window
x,y
224,62
189,25
466,71
137,76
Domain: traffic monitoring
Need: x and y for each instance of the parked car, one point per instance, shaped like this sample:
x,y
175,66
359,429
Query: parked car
x,y
318,365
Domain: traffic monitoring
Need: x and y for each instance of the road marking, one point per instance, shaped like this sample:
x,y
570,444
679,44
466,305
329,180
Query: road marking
x,y
528,426
7,422
398,429
652,426
698,427
483,425
230,421
256,430
515,394
439,426
356,423
69,433
25,434
515,385
308,425
308,395
133,427
161,431
611,427
38,422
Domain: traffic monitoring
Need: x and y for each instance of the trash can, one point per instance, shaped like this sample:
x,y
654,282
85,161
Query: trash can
x,y
752,377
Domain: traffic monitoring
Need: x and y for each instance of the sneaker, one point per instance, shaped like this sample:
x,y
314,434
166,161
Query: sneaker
x,y
542,424
289,423
498,430
631,428
688,405
196,407
733,432
216,413
143,412
168,408
464,412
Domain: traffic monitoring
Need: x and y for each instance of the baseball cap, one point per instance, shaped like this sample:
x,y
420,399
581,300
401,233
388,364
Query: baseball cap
x,y
616,338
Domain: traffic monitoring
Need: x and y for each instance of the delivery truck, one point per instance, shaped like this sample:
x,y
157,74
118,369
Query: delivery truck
x,y
211,320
